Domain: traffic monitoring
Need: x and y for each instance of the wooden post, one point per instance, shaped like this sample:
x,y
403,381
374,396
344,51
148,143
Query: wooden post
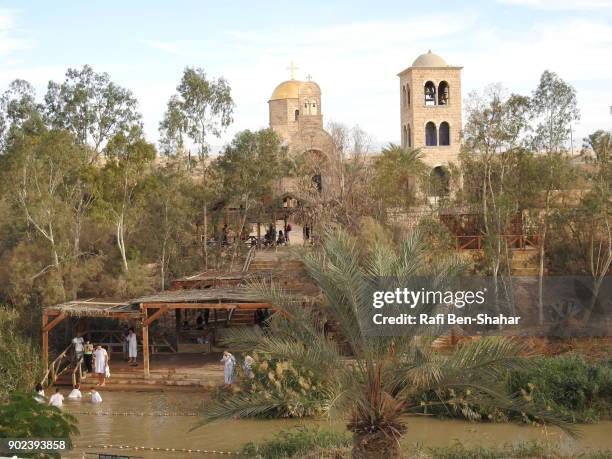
x,y
145,342
45,341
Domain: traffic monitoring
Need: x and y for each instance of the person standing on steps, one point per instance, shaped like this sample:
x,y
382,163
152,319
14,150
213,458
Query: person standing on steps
x,y
88,356
132,347
229,361
77,343
101,364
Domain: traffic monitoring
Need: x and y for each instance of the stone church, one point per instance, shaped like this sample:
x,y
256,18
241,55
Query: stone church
x,y
430,120
296,116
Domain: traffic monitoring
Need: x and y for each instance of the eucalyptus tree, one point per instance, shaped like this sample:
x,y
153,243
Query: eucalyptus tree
x,y
595,211
128,161
41,170
495,130
91,106
249,168
201,107
553,108
18,107
375,386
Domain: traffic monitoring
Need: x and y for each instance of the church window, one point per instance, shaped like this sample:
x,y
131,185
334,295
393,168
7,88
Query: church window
x,y
443,93
408,137
444,133
430,93
297,115
408,95
404,98
404,134
313,108
431,134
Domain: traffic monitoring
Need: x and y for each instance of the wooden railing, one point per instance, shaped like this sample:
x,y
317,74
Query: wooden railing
x,y
514,241
57,367
249,258
77,372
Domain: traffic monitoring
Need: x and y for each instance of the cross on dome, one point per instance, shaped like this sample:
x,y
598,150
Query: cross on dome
x,y
292,68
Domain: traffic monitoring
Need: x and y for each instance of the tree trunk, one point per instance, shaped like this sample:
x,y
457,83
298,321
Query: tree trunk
x,y
542,257
121,243
376,445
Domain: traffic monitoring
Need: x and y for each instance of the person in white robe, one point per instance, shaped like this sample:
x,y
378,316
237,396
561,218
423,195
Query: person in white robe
x,y
95,396
75,394
101,364
229,361
248,367
56,399
132,347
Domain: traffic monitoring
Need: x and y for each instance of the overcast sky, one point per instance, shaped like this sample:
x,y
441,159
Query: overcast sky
x,y
353,49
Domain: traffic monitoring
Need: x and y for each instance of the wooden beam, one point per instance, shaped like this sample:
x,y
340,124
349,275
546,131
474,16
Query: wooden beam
x,y
48,327
209,305
145,343
153,317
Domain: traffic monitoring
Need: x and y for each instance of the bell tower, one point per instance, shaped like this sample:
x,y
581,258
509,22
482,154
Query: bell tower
x,y
430,109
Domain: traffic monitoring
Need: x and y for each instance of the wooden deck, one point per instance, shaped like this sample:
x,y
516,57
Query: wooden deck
x,y
167,371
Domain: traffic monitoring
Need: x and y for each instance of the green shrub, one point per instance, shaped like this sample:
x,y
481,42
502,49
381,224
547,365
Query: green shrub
x,y
527,450
24,417
575,389
20,363
579,390
298,442
298,388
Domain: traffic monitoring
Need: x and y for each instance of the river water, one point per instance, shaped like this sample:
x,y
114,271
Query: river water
x,y
165,420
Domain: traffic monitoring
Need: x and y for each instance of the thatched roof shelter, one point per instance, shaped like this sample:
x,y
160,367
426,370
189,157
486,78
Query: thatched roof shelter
x,y
95,308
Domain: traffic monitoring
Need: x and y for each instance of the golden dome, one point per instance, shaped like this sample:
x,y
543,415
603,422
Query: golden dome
x,y
429,59
287,90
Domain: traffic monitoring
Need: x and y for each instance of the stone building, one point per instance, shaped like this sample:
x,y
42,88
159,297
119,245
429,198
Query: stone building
x,y
430,110
296,116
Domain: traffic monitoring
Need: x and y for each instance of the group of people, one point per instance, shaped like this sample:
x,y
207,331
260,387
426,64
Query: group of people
x,y
281,238
229,366
57,398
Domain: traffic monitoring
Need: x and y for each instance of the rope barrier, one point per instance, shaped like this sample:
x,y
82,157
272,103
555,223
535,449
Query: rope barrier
x,y
131,413
170,450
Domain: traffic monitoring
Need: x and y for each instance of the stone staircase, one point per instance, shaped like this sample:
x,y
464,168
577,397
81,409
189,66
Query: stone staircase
x,y
525,262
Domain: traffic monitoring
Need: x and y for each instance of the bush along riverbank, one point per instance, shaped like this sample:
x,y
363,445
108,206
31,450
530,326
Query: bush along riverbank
x,y
576,389
315,442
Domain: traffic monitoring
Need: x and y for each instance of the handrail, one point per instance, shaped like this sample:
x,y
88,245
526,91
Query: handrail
x,y
52,371
78,367
249,259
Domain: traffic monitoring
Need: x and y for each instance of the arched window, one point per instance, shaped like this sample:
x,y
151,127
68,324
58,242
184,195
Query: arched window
x,y
443,93
408,138
444,133
297,115
404,141
313,107
404,99
430,93
431,135
408,95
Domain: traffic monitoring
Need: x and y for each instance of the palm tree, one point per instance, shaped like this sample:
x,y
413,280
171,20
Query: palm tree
x,y
374,388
